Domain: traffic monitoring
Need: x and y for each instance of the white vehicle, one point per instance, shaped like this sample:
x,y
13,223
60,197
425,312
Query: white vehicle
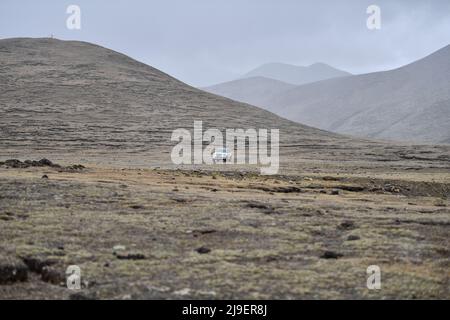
x,y
221,154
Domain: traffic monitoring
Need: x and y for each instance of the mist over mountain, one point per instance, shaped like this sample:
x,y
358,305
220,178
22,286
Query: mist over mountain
x,y
254,90
411,103
262,84
296,74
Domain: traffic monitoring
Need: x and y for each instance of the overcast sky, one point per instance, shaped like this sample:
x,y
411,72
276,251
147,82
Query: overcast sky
x,y
203,42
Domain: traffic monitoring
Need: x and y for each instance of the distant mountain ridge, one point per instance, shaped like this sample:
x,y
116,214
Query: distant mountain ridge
x,y
269,80
411,103
255,90
296,74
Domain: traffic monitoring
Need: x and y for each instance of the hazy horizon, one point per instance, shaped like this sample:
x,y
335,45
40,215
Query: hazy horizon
x,y
203,43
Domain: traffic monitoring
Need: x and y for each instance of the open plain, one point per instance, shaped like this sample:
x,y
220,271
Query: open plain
x,y
110,201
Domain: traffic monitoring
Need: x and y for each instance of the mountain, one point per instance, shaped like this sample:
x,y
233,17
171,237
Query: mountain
x,y
85,101
255,90
76,101
296,74
262,84
411,103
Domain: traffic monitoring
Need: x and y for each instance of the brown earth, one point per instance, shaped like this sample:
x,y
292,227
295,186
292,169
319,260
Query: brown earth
x,y
223,234
139,226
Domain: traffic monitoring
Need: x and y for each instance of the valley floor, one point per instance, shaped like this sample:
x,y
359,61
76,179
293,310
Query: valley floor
x,y
177,234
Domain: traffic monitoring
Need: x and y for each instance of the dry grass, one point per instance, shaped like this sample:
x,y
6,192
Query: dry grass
x,y
265,242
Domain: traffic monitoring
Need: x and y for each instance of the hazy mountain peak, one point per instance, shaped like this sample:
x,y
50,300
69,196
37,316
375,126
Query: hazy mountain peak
x,y
253,90
296,74
410,103
320,64
271,79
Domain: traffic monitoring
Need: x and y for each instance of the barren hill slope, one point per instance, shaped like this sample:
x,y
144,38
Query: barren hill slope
x,y
82,101
255,90
411,103
139,229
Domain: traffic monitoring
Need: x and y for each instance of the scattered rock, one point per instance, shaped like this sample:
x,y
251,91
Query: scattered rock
x,y
267,209
53,276
130,256
335,192
6,216
42,266
289,189
15,163
257,205
440,204
76,167
203,250
331,255
45,162
12,270
137,206
183,292
351,188
353,237
37,264
82,296
270,259
391,188
118,247
328,178
347,225
203,232
44,176
22,216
